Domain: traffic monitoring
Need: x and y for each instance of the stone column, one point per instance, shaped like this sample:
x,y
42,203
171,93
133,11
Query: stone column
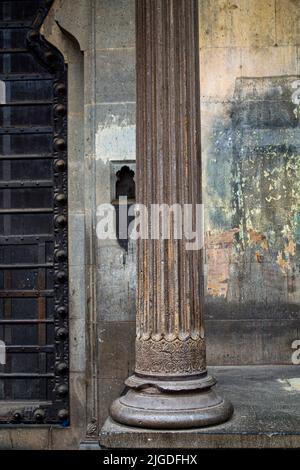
x,y
170,388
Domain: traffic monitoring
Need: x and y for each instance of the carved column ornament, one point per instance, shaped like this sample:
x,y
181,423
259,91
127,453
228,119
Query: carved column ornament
x,y
170,387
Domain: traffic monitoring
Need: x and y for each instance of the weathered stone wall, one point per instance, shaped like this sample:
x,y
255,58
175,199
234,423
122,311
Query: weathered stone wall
x,y
250,143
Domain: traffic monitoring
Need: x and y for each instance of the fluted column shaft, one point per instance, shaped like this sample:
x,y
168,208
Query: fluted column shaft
x,y
169,295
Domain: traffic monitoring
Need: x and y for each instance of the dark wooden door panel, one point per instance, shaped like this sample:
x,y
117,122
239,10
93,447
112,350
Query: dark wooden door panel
x,y
33,219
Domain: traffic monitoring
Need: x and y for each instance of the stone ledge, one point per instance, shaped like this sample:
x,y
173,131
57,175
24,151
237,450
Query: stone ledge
x,y
267,415
89,445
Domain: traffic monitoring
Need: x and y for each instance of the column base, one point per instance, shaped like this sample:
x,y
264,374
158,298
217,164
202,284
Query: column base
x,y
171,404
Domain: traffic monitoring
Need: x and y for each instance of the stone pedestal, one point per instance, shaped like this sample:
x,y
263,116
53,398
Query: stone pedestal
x,y
170,388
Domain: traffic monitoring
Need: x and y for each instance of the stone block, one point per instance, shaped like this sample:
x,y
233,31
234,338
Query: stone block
x,y
66,439
77,291
76,86
239,23
78,400
219,68
266,61
220,23
115,137
77,240
76,187
116,349
115,80
235,342
29,439
116,283
115,23
77,345
109,390
74,17
5,439
288,22
258,22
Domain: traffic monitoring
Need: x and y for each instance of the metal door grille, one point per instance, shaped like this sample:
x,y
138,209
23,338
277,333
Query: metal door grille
x,y
33,219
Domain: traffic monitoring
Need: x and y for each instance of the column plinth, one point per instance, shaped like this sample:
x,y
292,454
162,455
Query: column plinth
x,y
170,388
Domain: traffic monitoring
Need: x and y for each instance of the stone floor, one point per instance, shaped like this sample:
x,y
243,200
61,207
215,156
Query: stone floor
x,y
267,415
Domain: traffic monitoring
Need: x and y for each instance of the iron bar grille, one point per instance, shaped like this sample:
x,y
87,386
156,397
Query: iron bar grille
x,y
33,220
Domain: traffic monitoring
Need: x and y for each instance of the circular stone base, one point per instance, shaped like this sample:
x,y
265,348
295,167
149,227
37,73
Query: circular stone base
x,y
153,408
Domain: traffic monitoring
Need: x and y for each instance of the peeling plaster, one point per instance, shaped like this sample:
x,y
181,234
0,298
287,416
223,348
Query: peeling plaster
x,y
290,385
115,141
252,185
218,253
